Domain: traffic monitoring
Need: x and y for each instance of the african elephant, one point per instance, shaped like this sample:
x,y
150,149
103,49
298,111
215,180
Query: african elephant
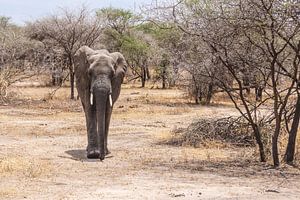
x,y
99,75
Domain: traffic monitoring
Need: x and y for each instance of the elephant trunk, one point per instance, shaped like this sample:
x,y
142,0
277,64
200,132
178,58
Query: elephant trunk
x,y
101,99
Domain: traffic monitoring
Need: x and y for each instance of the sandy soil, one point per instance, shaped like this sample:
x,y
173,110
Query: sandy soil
x,y
42,153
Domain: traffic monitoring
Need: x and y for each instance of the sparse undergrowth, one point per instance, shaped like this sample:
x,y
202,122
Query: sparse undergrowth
x,y
222,131
22,167
52,162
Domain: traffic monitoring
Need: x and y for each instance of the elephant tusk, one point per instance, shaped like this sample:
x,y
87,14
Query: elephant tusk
x,y
110,100
91,99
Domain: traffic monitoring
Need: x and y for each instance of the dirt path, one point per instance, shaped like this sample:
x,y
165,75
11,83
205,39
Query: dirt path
x,y
42,155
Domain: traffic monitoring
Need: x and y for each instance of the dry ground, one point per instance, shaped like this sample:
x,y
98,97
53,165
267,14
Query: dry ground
x,y
42,153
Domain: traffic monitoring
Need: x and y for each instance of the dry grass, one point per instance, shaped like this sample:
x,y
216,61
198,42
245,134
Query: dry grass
x,y
42,124
137,159
8,192
24,167
211,152
216,132
164,136
175,139
283,140
139,103
184,139
149,111
134,103
228,161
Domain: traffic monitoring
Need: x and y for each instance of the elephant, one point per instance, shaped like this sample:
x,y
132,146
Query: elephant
x,y
99,75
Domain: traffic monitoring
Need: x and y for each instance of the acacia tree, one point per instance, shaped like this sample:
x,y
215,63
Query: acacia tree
x,y
282,61
137,53
121,34
290,34
67,32
117,25
206,75
15,64
187,55
165,44
255,36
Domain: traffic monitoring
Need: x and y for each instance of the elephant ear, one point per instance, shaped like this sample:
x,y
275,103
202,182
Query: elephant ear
x,y
120,70
81,66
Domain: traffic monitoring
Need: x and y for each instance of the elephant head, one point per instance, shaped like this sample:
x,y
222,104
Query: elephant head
x,y
99,75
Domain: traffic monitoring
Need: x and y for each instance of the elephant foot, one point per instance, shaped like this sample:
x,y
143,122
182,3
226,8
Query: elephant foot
x,y
101,156
107,152
93,154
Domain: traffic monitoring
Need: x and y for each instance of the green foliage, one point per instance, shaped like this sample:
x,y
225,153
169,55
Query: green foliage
x,y
117,26
163,33
142,43
119,20
115,14
162,70
136,52
4,21
134,45
168,39
191,3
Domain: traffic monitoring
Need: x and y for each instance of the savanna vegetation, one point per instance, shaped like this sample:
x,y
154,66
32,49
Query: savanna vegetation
x,y
239,61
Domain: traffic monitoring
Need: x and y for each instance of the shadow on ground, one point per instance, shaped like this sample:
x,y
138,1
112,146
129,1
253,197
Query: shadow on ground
x,y
77,154
80,155
230,168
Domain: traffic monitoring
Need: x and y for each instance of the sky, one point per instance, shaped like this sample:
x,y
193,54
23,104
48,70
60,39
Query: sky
x,y
21,11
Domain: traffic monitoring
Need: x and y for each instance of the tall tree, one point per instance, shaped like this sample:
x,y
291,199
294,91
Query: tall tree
x,y
137,52
121,34
67,31
15,65
117,24
165,45
256,36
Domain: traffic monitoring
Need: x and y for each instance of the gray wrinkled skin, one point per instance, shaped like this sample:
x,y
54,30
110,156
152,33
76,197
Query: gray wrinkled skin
x,y
99,74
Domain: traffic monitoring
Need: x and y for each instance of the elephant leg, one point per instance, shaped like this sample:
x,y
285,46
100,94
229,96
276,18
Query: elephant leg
x,y
107,122
92,148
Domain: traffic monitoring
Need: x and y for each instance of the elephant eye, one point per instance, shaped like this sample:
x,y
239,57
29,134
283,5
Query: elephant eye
x,y
112,73
90,72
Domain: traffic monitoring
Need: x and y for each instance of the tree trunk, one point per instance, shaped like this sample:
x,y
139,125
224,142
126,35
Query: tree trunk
x,y
72,81
72,76
197,95
209,94
164,78
148,73
258,93
143,77
290,150
277,113
275,153
257,135
197,100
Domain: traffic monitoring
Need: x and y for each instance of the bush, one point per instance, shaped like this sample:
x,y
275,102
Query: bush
x,y
232,130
